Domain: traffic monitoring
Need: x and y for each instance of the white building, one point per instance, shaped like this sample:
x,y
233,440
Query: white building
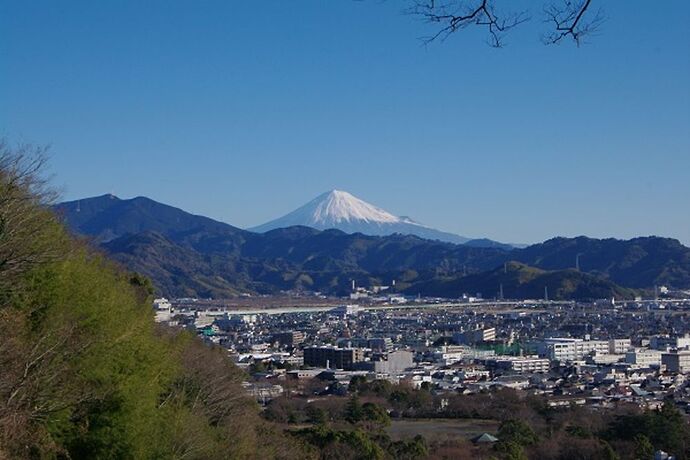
x,y
162,309
346,310
618,346
643,357
523,363
453,354
570,349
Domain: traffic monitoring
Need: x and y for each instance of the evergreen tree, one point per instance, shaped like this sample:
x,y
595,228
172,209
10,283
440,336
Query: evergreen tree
x,y
644,450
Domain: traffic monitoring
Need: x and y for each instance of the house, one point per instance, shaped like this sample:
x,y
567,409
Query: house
x,y
484,438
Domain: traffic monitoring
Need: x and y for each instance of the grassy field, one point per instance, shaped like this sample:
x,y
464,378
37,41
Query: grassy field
x,y
438,429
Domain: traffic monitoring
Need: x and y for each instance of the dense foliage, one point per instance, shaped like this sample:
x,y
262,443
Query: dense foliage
x,y
86,373
526,427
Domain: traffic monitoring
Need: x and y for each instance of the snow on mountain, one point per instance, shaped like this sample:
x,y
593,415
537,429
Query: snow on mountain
x,y
343,211
335,207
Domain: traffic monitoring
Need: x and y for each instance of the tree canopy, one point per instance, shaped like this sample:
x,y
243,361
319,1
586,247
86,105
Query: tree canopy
x,y
86,373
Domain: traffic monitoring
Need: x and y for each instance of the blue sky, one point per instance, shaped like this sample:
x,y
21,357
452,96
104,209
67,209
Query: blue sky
x,y
243,111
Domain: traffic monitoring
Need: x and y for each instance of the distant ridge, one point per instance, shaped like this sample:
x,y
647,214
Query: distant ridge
x,y
343,211
193,256
107,217
520,281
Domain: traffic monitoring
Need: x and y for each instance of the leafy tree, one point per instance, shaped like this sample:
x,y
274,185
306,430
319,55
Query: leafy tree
x,y
316,415
608,453
665,428
517,431
644,450
345,444
358,384
579,432
380,388
257,367
353,411
411,449
375,413
511,450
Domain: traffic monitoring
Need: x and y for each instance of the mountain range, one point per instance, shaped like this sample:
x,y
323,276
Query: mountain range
x,y
193,256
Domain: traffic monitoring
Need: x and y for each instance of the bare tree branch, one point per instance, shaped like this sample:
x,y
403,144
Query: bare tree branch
x,y
459,15
25,218
569,18
568,21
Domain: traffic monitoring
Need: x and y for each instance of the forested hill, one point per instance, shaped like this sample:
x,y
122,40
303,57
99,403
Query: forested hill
x,y
189,255
85,371
519,281
640,262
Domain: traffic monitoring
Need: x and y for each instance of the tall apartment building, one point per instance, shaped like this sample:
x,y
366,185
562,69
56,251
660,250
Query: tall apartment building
x,y
665,342
333,358
676,361
375,343
380,343
289,339
475,336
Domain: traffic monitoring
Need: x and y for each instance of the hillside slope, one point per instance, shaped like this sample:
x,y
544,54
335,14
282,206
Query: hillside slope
x,y
520,281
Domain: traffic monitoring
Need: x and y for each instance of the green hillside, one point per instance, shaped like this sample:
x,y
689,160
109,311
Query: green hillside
x,y
85,371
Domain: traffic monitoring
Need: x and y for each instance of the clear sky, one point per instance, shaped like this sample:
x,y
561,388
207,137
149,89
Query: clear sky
x,y
243,111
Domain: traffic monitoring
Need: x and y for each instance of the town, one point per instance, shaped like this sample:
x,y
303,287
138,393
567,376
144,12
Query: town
x,y
590,354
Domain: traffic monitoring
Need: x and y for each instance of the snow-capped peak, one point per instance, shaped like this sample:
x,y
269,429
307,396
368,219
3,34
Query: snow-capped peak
x,y
337,206
343,211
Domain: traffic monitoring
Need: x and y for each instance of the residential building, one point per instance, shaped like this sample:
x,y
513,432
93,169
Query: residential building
x,y
570,349
475,336
289,339
676,361
618,346
521,364
331,357
643,357
391,363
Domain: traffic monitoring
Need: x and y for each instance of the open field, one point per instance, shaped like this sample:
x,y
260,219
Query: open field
x,y
438,429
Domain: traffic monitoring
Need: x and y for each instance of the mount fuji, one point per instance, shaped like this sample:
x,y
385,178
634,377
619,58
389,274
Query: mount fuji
x,y
343,211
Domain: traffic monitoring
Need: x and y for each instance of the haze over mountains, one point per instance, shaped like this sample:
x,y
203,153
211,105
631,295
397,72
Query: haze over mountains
x,y
189,255
343,211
